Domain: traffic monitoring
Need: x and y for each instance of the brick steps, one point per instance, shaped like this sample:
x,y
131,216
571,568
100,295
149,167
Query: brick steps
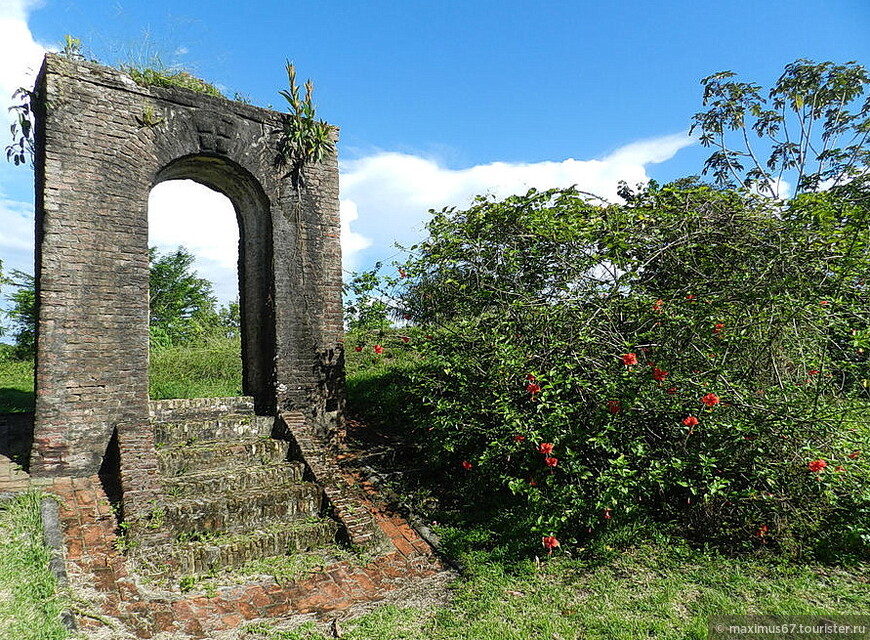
x,y
230,551
245,510
221,480
231,495
204,429
179,460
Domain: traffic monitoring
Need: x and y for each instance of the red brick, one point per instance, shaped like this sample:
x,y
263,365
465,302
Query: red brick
x,y
259,598
231,621
404,546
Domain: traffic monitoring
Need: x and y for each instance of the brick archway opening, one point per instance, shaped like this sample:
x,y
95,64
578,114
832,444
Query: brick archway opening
x,y
255,274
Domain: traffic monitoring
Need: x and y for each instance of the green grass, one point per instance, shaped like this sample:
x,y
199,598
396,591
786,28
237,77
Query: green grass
x,y
657,587
30,606
209,370
16,385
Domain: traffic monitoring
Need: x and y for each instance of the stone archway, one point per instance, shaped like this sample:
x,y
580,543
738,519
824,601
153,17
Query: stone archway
x,y
102,143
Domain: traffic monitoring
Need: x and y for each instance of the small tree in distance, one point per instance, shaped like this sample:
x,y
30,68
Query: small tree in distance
x,y
815,122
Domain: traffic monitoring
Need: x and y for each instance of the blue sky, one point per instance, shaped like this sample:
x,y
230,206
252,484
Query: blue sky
x,y
439,101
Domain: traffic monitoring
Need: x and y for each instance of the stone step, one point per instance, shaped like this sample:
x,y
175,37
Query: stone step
x,y
231,426
192,408
242,511
236,479
184,459
230,551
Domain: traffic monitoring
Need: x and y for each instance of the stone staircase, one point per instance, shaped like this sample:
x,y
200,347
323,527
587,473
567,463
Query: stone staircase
x,y
232,492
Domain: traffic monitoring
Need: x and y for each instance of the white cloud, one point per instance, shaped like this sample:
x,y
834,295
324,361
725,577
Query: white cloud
x,y
20,53
183,212
386,196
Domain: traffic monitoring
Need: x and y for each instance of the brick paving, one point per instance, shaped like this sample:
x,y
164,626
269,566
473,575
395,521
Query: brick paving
x,y
89,528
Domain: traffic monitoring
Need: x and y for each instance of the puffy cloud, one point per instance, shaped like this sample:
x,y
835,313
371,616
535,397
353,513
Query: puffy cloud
x,y
186,213
386,196
21,54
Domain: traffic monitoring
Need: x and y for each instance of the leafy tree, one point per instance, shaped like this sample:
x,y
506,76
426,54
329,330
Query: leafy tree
x,y
23,315
814,121
182,303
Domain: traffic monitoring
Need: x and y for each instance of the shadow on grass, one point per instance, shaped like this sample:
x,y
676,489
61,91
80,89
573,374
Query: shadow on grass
x,y
15,400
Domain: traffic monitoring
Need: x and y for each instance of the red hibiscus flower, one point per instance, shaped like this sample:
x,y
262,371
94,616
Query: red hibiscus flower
x,y
711,399
657,305
519,438
613,406
549,543
551,462
854,455
690,297
824,303
357,349
530,377
658,374
718,327
466,465
533,388
817,465
690,421
379,349
629,359
546,448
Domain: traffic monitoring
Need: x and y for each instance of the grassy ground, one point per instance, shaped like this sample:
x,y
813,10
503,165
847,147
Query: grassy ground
x,y
656,587
16,386
29,605
210,370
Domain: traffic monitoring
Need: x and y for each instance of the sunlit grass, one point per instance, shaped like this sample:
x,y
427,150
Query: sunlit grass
x,y
30,606
211,369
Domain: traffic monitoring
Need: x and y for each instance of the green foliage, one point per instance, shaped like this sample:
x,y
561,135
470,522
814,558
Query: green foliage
x,y
182,303
210,367
155,73
683,357
303,139
23,315
21,149
814,122
30,608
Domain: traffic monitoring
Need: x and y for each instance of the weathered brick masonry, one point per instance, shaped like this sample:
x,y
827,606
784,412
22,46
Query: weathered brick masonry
x,y
102,143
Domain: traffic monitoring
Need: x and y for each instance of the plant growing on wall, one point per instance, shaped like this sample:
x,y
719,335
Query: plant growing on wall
x,y
304,140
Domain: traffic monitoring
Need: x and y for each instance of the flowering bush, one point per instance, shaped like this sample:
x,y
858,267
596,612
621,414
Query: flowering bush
x,y
696,355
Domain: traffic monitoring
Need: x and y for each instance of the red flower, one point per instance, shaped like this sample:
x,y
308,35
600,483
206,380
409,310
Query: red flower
x,y
854,455
718,327
428,337
533,388
519,438
690,297
817,465
546,448
658,374
379,349
824,303
613,406
839,469
530,377
762,531
551,462
658,304
401,273
405,339
711,399
629,359
672,390
549,543
466,465
690,421
813,372
607,515
357,349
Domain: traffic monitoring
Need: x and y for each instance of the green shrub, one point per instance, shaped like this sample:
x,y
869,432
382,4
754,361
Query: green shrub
x,y
689,356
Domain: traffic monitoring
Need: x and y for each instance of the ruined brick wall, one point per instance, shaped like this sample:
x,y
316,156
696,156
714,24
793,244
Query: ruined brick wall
x,y
102,143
